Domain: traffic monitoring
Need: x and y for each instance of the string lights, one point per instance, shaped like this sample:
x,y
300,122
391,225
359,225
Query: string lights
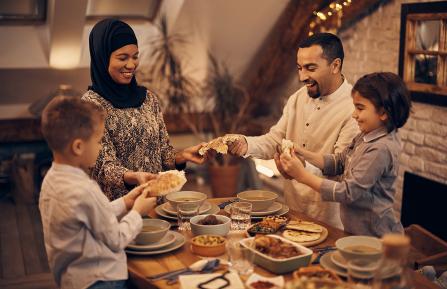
x,y
328,19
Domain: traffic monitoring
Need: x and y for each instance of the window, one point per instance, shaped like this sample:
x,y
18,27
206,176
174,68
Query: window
x,y
423,51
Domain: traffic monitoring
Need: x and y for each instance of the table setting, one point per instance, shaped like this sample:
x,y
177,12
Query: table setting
x,y
221,243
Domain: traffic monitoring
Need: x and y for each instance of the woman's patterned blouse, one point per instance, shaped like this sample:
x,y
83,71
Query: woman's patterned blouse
x,y
134,139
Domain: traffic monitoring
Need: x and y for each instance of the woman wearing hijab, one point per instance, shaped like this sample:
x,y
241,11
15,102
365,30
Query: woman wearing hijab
x,y
136,143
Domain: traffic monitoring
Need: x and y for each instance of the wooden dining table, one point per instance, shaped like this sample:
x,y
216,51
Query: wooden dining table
x,y
140,267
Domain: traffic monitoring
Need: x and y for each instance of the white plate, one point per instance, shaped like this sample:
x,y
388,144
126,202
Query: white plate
x,y
275,207
205,207
168,239
339,260
282,211
179,241
159,210
327,263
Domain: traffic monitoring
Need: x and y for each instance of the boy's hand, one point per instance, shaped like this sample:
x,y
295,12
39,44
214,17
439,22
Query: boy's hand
x,y
292,166
143,204
130,197
238,147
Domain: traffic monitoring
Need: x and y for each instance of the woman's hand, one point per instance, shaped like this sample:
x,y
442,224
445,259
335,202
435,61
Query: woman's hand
x,y
138,178
190,154
130,197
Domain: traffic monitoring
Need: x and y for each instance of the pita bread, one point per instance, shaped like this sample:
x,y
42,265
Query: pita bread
x,y
219,144
165,183
287,147
305,226
300,236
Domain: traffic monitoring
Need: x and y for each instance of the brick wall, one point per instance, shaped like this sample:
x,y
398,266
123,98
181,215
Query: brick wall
x,y
372,45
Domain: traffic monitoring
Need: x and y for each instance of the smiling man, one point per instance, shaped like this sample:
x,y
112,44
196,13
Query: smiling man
x,y
317,117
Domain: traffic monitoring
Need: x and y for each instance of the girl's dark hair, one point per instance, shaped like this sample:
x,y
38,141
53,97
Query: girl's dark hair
x,y
386,91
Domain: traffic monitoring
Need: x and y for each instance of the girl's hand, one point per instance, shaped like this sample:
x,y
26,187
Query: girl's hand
x,y
280,167
292,166
143,204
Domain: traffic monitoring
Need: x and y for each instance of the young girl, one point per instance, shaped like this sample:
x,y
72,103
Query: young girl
x,y
369,165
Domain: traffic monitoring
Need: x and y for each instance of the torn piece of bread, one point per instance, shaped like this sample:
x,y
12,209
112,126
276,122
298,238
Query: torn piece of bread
x,y
165,183
287,147
219,144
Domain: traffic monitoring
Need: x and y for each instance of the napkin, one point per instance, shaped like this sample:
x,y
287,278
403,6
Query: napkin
x,y
278,281
192,281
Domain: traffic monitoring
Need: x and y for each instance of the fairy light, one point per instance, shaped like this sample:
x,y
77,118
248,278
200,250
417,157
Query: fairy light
x,y
321,18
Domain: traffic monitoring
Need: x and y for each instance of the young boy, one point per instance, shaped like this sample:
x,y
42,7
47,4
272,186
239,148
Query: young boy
x,y
85,234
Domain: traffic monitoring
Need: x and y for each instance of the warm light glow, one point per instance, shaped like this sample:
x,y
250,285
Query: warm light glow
x,y
338,7
345,3
332,5
310,33
329,13
321,16
65,57
312,24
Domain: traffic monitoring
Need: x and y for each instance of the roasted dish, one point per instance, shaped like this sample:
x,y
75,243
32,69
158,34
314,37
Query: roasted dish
x,y
275,248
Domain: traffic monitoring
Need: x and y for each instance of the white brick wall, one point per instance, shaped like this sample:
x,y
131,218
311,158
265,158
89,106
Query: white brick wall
x,y
373,45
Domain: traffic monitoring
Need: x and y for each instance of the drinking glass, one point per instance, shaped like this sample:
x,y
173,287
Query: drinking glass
x,y
240,215
240,258
185,212
361,273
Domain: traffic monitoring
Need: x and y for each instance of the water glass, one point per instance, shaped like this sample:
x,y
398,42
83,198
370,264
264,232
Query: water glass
x,y
361,273
185,212
240,258
240,215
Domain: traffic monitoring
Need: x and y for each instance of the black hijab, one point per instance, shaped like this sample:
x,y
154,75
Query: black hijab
x,y
107,36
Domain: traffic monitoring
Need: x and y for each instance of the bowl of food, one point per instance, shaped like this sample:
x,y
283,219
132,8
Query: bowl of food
x,y
153,231
208,245
360,247
259,199
278,254
188,197
210,225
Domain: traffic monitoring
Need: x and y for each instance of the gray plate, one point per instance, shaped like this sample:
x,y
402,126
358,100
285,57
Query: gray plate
x,y
284,210
167,240
327,263
159,210
179,241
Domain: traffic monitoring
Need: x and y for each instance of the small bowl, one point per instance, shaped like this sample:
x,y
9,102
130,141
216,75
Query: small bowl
x,y
259,199
344,244
188,197
158,229
219,229
208,245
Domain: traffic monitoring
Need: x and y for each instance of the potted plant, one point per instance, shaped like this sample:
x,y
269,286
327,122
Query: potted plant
x,y
227,115
225,101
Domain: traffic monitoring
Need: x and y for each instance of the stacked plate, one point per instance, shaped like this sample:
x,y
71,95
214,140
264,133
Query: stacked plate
x,y
276,209
336,262
167,211
170,242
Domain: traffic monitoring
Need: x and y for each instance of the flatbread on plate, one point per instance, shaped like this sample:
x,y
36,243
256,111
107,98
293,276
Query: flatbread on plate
x,y
300,236
305,226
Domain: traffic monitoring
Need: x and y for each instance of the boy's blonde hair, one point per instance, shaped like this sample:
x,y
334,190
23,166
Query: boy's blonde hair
x,y
65,119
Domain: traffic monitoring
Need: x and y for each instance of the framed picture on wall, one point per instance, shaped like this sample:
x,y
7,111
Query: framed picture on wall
x,y
423,51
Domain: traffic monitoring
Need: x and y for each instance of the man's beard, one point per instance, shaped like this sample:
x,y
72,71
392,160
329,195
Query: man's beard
x,y
314,91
